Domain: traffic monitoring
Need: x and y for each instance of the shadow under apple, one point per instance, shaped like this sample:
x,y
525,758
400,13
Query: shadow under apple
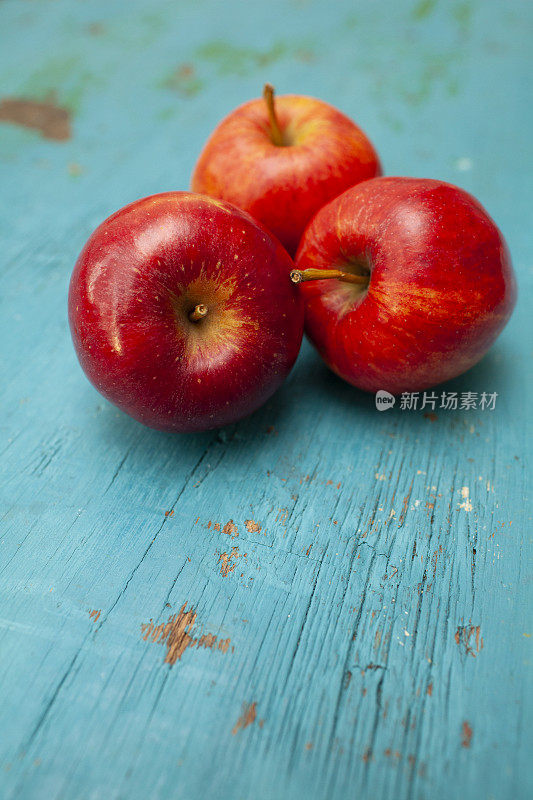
x,y
494,373
117,429
311,388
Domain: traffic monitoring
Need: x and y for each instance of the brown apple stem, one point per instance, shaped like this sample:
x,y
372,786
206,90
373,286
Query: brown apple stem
x,y
300,275
268,95
198,313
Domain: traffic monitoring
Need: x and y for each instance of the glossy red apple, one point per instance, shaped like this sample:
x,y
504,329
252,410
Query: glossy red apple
x,y
182,312
426,283
283,162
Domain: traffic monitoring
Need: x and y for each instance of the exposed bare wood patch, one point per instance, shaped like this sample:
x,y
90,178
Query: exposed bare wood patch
x,y
230,529
207,640
52,121
95,614
466,734
395,754
228,561
249,713
283,515
177,635
469,637
252,526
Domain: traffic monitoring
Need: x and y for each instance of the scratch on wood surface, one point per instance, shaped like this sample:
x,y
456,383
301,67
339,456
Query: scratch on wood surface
x,y
249,713
466,736
229,561
95,614
177,635
371,667
52,121
405,505
463,636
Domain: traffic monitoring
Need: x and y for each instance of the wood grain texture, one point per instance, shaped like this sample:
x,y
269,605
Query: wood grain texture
x,y
322,601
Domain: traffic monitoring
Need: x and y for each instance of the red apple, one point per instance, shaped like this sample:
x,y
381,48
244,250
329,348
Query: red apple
x,y
426,283
282,163
182,312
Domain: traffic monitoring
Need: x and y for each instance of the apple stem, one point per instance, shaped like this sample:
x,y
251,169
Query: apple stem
x,y
198,312
300,275
268,95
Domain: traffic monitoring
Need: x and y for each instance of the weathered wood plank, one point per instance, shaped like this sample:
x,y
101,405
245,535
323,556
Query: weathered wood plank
x,y
322,600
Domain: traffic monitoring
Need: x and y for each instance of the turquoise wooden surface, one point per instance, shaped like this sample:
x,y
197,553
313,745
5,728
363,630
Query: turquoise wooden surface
x,y
375,582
